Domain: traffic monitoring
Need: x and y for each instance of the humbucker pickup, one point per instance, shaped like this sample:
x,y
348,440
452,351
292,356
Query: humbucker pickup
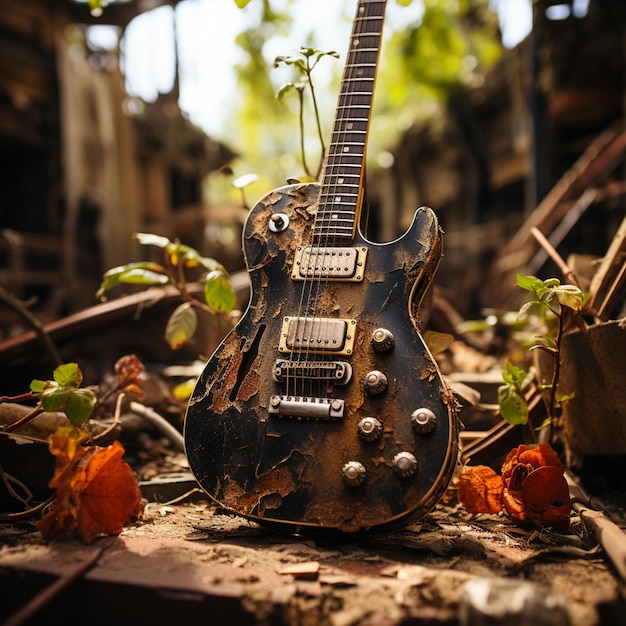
x,y
346,264
335,372
311,335
307,408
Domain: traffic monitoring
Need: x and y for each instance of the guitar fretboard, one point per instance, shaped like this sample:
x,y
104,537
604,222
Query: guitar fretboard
x,y
342,176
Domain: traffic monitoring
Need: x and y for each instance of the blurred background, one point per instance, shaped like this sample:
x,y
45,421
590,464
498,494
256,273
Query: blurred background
x,y
139,115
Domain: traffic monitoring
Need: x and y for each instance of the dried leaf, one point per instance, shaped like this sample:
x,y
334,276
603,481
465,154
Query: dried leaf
x,y
97,492
128,371
109,493
480,490
181,325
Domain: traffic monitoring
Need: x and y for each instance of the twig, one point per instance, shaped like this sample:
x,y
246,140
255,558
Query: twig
x,y
39,602
116,421
9,428
7,479
19,307
161,423
555,256
22,515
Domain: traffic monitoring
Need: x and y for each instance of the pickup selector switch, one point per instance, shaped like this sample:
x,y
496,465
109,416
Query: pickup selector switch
x,y
423,421
375,382
404,464
353,473
382,340
370,429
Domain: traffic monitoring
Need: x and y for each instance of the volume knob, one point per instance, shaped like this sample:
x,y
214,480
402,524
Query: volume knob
x,y
404,464
423,421
375,382
353,473
370,429
382,340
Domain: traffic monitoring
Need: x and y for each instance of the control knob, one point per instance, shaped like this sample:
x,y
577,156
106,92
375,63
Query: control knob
x,y
382,340
375,382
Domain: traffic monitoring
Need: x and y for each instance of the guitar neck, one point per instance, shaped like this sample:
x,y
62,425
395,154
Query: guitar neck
x,y
344,168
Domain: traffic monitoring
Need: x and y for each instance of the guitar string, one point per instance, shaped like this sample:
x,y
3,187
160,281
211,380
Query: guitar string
x,y
321,226
336,171
323,233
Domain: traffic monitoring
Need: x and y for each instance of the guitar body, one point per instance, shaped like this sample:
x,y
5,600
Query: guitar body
x,y
323,408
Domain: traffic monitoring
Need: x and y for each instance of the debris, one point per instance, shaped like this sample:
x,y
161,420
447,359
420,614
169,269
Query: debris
x,y
308,570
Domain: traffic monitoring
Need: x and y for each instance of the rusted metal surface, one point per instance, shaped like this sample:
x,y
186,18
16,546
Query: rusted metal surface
x,y
278,469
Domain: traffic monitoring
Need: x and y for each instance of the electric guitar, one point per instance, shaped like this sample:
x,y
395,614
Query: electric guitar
x,y
323,408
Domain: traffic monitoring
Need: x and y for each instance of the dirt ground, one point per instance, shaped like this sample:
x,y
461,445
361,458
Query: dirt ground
x,y
191,563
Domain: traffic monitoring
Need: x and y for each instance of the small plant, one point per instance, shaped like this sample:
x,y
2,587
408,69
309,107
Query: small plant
x,y
559,305
95,491
305,61
180,263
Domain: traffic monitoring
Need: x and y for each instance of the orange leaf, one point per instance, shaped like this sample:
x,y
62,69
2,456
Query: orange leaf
x,y
109,493
97,492
480,490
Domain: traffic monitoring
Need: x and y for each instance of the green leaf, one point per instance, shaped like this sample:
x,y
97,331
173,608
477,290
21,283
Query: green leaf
x,y
288,87
68,375
547,349
185,255
80,405
527,306
148,239
219,293
530,283
513,407
211,264
37,386
117,275
53,398
516,375
138,276
183,390
570,296
181,326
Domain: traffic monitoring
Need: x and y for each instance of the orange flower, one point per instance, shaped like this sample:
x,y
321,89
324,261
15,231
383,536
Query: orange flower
x,y
532,488
480,490
535,490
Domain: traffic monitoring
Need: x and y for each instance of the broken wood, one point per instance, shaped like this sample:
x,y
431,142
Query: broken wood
x,y
577,185
608,282
608,534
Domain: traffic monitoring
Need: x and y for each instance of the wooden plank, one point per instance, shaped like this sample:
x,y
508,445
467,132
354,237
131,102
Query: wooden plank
x,y
608,282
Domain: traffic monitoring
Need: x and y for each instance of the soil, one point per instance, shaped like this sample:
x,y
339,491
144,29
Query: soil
x,y
188,561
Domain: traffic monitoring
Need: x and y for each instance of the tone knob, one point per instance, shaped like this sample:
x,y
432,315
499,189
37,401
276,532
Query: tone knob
x,y
375,382
353,473
423,421
370,429
382,340
404,464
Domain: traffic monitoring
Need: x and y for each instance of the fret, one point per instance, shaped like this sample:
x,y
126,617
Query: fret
x,y
338,210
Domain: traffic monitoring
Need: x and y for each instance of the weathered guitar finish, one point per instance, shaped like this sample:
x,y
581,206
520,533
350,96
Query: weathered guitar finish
x,y
323,408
